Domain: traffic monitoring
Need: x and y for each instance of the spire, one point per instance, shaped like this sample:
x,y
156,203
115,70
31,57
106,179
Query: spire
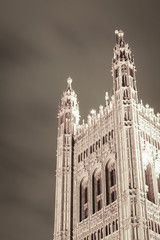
x,y
123,67
69,105
69,97
122,51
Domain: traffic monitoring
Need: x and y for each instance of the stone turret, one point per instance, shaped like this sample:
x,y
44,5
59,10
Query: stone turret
x,y
69,110
68,119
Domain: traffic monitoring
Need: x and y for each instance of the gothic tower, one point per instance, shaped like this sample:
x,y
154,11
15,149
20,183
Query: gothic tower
x,y
108,169
68,119
132,217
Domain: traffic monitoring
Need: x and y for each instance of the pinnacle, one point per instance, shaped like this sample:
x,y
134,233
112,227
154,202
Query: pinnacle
x,y
69,81
119,36
119,32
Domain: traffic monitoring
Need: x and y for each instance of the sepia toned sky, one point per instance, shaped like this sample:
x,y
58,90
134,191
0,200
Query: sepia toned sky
x,y
42,43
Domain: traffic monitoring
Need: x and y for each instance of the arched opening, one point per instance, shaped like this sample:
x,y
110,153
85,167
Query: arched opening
x,y
92,236
107,186
149,183
106,138
103,140
83,199
124,81
106,230
96,191
152,225
84,154
96,145
113,226
109,228
110,183
101,233
109,136
116,224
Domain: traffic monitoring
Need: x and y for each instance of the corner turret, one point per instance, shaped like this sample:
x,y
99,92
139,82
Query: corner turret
x,y
123,69
69,110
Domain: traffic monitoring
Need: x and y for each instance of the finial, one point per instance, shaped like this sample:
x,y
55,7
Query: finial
x,y
107,99
119,36
106,96
93,112
69,81
101,109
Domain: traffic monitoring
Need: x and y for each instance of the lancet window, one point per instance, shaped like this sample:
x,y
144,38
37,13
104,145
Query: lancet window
x,y
124,81
83,199
110,183
96,190
149,183
125,94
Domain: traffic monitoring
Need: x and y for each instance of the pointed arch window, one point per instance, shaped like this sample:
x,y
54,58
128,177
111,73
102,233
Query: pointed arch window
x,y
79,158
110,183
92,236
149,183
106,230
101,233
84,154
90,149
87,152
83,199
96,191
109,136
106,138
113,226
109,228
116,224
124,81
158,183
125,94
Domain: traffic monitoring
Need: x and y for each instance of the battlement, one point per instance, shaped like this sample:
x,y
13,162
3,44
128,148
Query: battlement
x,y
148,113
94,118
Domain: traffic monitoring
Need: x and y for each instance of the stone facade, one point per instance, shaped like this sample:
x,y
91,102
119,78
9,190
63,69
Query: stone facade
x,y
108,170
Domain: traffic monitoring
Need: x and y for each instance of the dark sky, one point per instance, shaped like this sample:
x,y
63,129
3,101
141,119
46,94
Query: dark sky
x,y
43,42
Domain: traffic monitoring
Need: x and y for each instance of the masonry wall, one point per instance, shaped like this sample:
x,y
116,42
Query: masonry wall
x,y
94,150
